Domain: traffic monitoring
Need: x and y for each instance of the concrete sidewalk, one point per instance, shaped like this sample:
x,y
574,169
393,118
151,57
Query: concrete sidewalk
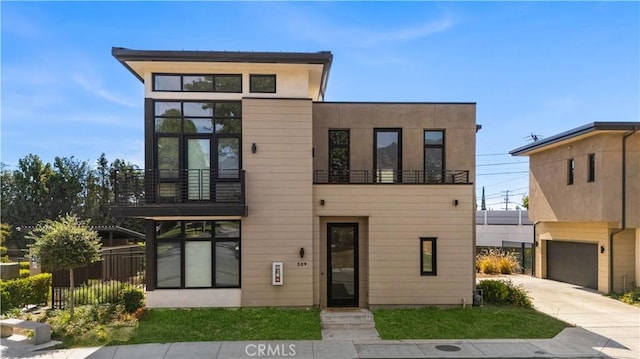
x,y
570,343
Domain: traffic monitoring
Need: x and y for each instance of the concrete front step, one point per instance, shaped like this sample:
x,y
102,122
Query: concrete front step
x,y
347,319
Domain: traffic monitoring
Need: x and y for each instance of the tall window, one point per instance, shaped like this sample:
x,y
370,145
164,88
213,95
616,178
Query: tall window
x,y
197,83
388,154
197,145
433,155
262,83
339,156
592,167
198,254
428,256
571,167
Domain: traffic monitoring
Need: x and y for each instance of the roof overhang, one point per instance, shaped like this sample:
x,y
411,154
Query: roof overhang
x,y
575,134
130,58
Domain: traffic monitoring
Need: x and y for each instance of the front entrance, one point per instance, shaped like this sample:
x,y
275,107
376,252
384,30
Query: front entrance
x,y
342,264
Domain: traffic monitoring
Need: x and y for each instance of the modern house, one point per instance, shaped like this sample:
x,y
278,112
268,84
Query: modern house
x,y
584,200
256,192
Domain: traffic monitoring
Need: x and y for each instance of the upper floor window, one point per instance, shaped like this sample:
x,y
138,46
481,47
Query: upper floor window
x,y
433,153
387,144
262,83
198,83
339,156
592,167
571,168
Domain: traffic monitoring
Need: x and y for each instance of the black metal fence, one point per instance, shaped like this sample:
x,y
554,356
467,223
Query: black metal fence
x,y
522,251
391,176
101,281
134,188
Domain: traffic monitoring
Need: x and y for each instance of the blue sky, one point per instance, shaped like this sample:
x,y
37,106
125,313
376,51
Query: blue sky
x,y
533,67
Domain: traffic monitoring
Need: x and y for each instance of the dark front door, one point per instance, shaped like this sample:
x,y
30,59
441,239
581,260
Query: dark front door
x,y
342,264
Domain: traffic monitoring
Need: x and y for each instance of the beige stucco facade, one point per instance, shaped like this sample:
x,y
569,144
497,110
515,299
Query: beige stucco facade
x,y
589,211
284,141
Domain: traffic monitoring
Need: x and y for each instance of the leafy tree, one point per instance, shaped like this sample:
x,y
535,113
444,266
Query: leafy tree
x,y
64,245
525,202
5,233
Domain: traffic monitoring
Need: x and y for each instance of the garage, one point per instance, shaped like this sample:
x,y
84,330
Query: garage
x,y
573,262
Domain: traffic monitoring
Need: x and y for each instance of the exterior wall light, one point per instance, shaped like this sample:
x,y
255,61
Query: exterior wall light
x,y
322,202
301,252
601,249
455,202
254,148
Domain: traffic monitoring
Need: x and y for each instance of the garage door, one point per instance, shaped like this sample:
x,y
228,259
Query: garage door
x,y
573,262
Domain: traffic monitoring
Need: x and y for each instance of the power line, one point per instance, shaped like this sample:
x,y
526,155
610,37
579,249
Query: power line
x,y
500,164
492,154
500,173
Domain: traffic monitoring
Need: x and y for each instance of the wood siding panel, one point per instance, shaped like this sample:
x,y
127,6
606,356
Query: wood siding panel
x,y
279,193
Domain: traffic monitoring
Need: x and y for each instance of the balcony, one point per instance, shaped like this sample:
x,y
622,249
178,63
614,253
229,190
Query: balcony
x,y
186,192
391,177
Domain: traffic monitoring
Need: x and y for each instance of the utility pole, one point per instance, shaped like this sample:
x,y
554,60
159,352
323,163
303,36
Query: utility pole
x,y
483,205
506,201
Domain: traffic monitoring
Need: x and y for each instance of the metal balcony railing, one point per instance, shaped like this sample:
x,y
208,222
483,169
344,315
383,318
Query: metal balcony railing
x,y
135,188
391,177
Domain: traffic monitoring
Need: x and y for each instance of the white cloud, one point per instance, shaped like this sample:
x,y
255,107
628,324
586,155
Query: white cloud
x,y
326,31
96,89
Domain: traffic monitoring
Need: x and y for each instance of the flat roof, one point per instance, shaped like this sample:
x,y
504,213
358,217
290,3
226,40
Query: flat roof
x,y
578,131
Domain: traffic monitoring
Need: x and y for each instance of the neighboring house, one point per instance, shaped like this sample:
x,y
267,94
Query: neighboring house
x,y
584,198
503,228
257,193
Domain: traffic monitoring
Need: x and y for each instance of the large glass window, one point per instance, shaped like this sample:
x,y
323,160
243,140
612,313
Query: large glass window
x,y
197,143
388,155
428,256
433,155
198,254
339,156
262,83
198,83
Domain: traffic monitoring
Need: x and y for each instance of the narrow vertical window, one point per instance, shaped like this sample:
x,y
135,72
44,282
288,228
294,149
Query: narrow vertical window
x,y
388,155
592,167
433,156
428,256
571,167
338,156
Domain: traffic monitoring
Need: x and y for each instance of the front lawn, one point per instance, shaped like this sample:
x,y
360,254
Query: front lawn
x,y
488,322
216,324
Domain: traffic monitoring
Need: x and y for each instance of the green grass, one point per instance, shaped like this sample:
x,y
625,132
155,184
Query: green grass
x,y
216,324
486,322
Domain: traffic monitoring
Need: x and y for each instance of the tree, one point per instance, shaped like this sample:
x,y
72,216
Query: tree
x,y
5,233
525,202
64,245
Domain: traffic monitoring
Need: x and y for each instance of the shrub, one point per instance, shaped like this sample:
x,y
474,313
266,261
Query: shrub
x,y
132,299
22,291
501,292
25,273
25,265
631,297
496,261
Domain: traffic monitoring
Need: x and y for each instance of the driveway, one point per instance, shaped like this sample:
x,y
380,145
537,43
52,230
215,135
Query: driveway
x,y
590,310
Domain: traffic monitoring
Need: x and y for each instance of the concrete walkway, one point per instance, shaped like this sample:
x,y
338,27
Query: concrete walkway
x,y
588,309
